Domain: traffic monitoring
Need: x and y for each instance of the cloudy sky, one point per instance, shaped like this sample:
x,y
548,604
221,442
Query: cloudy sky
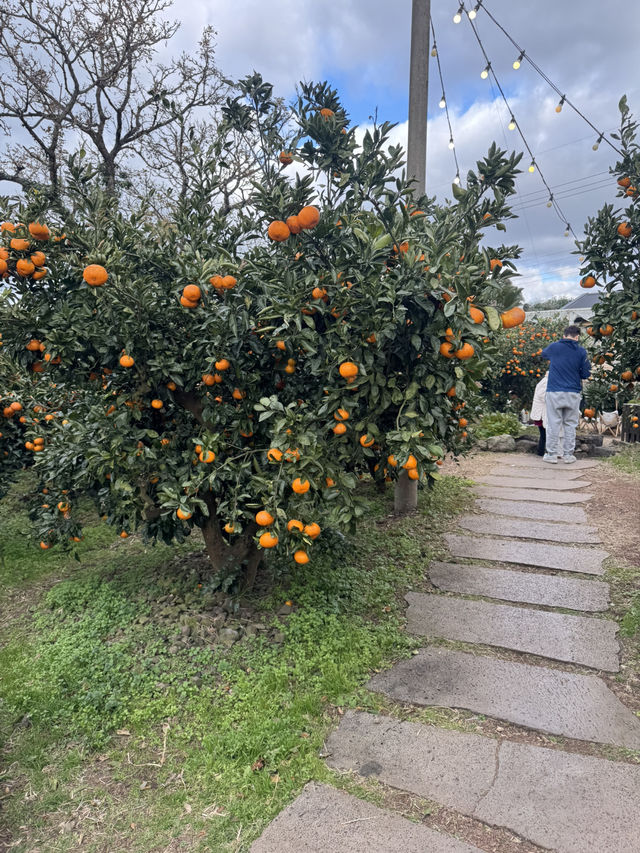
x,y
587,47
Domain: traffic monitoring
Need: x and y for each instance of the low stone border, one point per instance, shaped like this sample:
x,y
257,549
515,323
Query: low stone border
x,y
587,444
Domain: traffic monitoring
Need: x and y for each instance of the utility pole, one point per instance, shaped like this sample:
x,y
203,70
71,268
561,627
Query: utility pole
x,y
418,93
406,490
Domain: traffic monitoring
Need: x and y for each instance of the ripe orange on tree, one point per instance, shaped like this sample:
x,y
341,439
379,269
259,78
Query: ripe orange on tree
x,y
95,275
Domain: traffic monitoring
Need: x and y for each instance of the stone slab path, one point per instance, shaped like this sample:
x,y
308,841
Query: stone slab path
x,y
560,801
526,587
585,560
324,820
555,485
558,636
537,697
542,495
566,473
522,460
532,510
523,529
527,514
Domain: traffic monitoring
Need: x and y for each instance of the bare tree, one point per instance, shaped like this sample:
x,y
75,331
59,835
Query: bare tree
x,y
86,72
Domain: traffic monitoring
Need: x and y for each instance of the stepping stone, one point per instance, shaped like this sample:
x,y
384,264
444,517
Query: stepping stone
x,y
527,509
325,819
550,700
551,474
559,636
527,587
585,560
530,529
543,495
551,484
560,801
536,462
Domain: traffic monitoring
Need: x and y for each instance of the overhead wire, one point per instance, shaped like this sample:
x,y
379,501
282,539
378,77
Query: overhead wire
x,y
514,125
444,103
602,137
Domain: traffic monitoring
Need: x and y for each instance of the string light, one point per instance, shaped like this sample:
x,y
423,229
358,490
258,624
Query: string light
x,y
458,15
566,233
485,72
443,105
512,124
473,12
533,166
434,51
550,202
596,144
548,81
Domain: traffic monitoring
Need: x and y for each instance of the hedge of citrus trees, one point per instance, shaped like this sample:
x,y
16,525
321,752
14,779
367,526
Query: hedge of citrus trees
x,y
240,373
611,250
517,362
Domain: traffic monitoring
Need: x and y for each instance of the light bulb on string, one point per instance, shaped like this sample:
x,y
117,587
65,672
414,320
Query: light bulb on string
x,y
596,144
458,15
456,180
485,71
512,124
532,167
560,105
568,227
434,51
517,62
550,202
443,102
451,144
473,12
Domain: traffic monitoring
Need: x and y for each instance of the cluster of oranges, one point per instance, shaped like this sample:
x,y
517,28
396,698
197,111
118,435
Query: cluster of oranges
x,y
268,539
29,263
305,220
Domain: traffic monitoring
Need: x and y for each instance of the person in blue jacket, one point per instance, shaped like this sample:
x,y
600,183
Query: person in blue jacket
x,y
569,366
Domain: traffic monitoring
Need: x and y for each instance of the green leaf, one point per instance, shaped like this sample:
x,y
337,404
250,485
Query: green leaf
x,y
493,318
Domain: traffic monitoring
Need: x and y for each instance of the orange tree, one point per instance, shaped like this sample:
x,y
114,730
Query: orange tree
x,y
611,250
239,373
517,362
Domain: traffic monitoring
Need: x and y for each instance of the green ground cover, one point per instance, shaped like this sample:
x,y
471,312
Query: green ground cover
x,y
121,725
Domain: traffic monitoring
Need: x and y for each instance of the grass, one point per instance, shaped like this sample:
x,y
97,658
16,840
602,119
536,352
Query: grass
x,y
628,461
115,729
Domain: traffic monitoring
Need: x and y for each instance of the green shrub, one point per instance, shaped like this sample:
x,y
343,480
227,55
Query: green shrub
x,y
498,424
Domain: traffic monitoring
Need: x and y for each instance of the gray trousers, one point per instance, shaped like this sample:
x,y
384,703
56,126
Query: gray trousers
x,y
563,410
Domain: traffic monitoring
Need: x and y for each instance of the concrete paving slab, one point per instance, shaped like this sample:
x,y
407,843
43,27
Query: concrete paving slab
x,y
533,509
560,636
527,529
558,473
549,700
549,483
544,495
536,462
569,803
568,559
456,768
560,801
527,587
324,819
